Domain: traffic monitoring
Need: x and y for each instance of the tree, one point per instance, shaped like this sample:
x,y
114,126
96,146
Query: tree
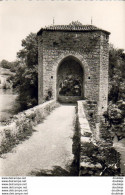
x,y
25,80
9,65
115,115
29,54
5,64
116,74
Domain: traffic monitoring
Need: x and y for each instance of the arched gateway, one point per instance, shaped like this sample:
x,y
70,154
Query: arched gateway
x,y
70,80
73,64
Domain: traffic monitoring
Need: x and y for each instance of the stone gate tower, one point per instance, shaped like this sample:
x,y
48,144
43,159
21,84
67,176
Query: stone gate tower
x,y
73,64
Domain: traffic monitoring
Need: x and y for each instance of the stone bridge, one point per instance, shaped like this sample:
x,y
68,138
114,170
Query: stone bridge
x,y
73,68
53,148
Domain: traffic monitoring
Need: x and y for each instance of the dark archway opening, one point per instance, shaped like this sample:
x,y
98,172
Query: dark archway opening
x,y
70,81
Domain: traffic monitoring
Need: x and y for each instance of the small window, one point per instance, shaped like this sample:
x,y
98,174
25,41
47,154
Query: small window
x,y
55,44
107,36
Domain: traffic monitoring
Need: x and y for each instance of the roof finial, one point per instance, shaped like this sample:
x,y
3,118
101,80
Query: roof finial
x,y
91,21
53,21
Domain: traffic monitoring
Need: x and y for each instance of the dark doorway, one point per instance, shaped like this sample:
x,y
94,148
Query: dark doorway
x,y
70,81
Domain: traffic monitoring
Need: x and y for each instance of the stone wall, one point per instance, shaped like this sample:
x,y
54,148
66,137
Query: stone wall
x,y
96,158
25,121
103,84
89,49
87,167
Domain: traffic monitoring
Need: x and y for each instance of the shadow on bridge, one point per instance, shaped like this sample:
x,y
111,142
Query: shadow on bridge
x,y
70,170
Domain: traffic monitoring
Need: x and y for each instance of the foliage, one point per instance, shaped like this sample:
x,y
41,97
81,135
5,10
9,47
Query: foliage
x,y
29,54
25,81
11,140
26,84
9,65
115,115
5,64
71,86
116,74
49,95
25,74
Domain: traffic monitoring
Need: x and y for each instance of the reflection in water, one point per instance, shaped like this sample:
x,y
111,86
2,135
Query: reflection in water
x,y
7,100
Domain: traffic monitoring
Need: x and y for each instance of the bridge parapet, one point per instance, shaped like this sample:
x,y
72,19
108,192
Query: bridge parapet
x,y
83,122
21,125
87,144
97,157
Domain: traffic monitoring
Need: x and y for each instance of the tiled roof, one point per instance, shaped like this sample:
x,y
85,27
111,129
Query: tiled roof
x,y
73,26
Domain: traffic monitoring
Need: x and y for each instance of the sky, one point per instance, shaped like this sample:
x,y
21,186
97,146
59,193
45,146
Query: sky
x,y
21,17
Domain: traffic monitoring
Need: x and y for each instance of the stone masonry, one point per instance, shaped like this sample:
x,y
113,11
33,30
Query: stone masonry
x,y
87,45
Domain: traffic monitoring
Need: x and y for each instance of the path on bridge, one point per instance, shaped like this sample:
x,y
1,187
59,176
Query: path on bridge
x,y
49,146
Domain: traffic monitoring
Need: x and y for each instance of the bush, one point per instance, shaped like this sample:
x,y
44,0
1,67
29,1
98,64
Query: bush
x,y
115,117
25,81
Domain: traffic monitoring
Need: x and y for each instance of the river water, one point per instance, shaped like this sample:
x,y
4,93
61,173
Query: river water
x,y
7,100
